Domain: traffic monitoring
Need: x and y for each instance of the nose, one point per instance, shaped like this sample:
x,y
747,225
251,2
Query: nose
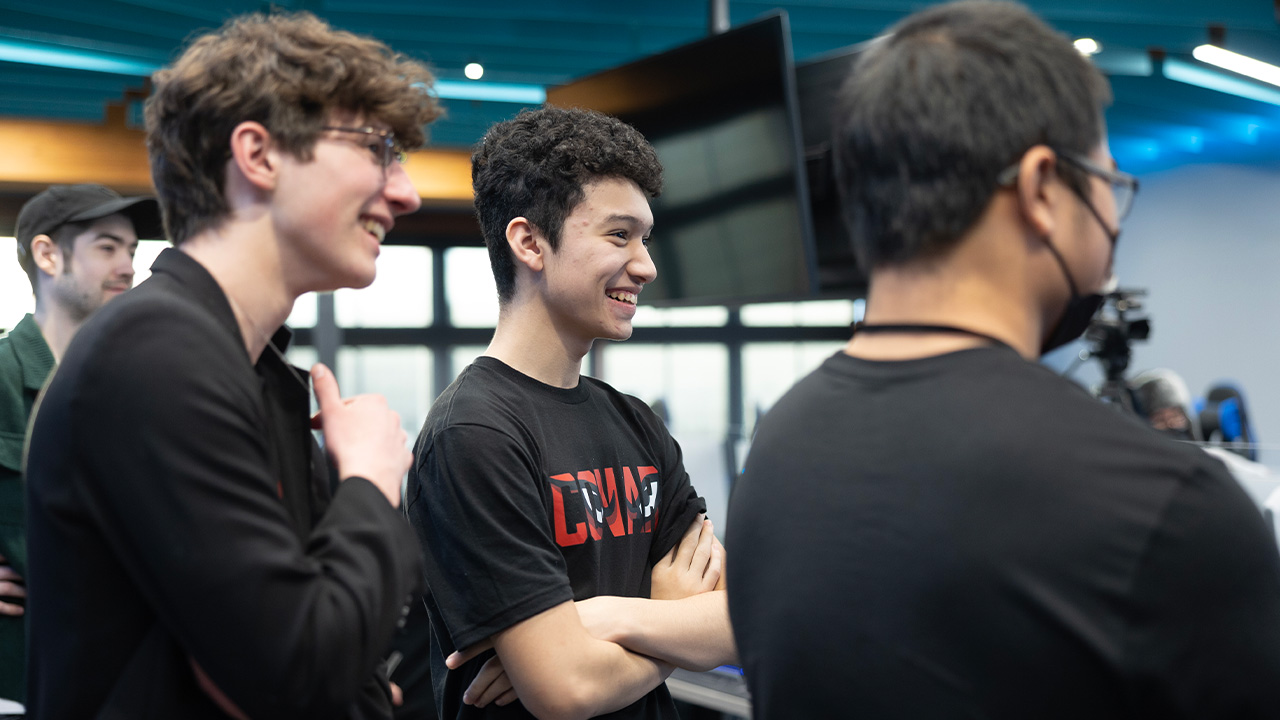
x,y
126,267
641,267
399,190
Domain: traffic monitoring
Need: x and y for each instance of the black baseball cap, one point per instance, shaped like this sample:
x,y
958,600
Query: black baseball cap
x,y
62,204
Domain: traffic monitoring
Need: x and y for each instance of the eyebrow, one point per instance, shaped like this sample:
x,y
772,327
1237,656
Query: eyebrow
x,y
628,219
113,237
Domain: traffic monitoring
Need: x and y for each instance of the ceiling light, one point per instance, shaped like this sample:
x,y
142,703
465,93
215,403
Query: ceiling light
x,y
473,71
493,92
1235,62
1203,77
53,55
65,57
1087,46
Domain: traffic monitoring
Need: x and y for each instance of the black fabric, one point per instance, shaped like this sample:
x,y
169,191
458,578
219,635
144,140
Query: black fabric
x,y
525,496
413,673
971,536
178,507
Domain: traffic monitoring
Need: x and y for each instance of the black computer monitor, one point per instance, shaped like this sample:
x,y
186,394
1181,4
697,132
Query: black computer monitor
x,y
733,222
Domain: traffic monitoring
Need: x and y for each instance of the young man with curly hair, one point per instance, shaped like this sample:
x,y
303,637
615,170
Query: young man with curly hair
x,y
568,562
969,534
187,557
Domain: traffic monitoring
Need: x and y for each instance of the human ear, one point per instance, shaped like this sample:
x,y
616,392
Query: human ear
x,y
254,154
526,243
47,256
1038,189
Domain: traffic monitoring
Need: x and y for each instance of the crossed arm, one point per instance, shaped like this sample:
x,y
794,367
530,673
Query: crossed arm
x,y
578,660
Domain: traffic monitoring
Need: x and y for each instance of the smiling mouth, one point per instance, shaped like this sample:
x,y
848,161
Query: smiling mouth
x,y
376,228
623,296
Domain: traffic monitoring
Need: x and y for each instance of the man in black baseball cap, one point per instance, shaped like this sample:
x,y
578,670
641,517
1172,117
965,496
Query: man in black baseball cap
x,y
76,244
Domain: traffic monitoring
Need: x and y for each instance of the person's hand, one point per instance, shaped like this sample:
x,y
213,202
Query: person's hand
x,y
458,658
491,685
397,695
693,566
362,435
11,586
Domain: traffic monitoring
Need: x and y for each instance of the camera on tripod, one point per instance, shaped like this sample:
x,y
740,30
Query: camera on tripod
x,y
1110,337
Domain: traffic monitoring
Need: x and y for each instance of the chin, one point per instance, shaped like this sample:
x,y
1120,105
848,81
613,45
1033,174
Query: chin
x,y
359,276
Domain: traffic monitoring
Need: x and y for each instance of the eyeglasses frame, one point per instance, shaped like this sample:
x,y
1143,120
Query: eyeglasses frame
x,y
391,150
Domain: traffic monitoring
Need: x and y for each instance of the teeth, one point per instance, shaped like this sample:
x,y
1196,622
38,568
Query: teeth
x,y
376,228
622,296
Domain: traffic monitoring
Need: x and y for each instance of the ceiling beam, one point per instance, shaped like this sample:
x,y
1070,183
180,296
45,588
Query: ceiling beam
x,y
39,153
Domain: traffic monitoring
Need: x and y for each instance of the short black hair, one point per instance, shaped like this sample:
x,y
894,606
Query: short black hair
x,y
935,109
535,165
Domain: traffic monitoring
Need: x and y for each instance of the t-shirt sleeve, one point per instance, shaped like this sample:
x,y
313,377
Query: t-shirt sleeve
x,y
1206,624
679,502
490,553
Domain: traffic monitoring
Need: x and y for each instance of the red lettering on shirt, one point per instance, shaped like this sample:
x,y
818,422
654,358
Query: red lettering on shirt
x,y
588,501
565,485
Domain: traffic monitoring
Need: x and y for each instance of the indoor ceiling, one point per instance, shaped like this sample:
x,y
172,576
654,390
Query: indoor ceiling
x,y
1154,122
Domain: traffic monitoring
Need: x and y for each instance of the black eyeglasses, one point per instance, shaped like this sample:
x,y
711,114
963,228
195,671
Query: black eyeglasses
x,y
382,143
1124,187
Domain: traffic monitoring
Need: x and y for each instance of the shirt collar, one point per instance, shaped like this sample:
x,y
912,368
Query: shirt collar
x,y
33,353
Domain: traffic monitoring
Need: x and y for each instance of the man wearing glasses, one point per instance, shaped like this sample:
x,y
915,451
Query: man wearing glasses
x,y
934,524
188,557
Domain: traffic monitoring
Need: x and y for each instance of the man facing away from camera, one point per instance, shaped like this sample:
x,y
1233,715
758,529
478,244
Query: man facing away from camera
x,y
187,557
993,541
76,245
568,563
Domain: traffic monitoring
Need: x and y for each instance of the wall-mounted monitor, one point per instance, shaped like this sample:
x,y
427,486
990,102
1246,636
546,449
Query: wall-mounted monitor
x,y
818,81
733,222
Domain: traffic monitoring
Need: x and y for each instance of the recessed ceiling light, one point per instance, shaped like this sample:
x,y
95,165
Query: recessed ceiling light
x,y
1087,46
473,71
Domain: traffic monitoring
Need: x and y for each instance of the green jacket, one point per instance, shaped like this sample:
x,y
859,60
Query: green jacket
x,y
25,363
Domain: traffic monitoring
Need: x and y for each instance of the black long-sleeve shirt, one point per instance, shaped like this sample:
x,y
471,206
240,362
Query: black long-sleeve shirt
x,y
179,509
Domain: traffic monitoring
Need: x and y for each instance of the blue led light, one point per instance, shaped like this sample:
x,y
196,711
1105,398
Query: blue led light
x,y
1190,142
492,92
53,56
64,57
1212,80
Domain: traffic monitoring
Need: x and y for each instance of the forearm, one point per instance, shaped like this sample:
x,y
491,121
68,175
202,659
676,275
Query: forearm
x,y
691,633
615,678
559,670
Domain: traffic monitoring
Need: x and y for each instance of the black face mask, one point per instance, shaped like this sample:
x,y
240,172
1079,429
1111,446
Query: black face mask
x,y
1080,309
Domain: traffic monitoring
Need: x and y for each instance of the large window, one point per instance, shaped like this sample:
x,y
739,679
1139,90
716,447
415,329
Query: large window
x,y
399,297
400,374
710,371
469,287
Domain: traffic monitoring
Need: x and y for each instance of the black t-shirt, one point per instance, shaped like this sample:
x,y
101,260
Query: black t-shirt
x,y
969,535
525,496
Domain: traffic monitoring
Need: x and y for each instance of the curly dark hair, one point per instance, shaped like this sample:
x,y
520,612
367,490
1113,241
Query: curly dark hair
x,y
535,165
288,71
934,110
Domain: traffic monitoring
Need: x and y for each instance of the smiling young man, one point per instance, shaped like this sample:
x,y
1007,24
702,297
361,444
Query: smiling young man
x,y
76,244
969,534
554,512
188,558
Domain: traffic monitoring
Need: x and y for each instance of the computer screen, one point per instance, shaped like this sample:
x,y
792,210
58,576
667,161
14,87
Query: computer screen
x,y
732,224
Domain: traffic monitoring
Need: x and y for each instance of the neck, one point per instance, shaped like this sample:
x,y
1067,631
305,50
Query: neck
x,y
56,326
527,340
246,264
978,286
